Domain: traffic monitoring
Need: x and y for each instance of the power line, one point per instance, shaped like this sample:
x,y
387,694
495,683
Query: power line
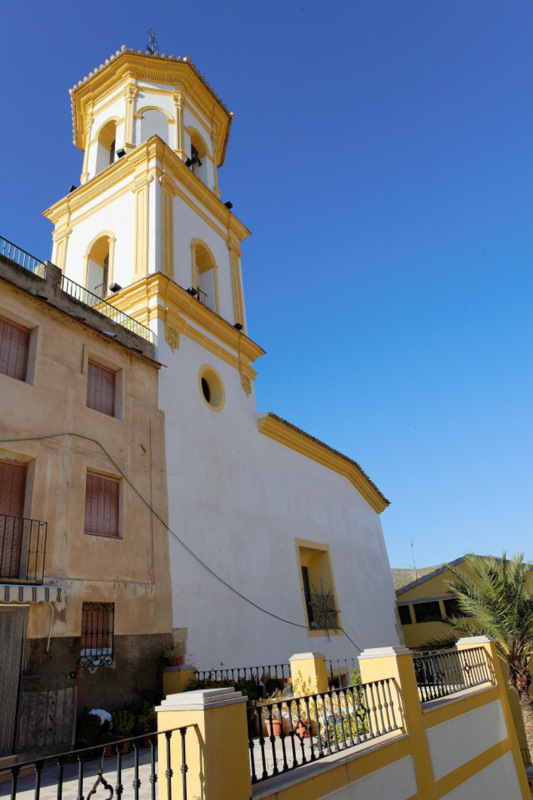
x,y
170,531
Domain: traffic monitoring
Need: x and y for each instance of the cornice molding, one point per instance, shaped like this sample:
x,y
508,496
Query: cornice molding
x,y
138,161
290,436
128,65
190,318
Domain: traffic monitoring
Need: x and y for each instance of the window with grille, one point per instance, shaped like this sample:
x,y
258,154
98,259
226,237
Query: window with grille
x,y
102,506
100,389
97,621
14,349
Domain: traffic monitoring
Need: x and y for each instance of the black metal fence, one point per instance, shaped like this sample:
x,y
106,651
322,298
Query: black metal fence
x,y
287,734
21,257
22,549
340,671
126,769
262,674
441,674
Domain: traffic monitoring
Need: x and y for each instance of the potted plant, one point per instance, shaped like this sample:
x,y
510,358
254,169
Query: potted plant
x,y
123,725
275,713
173,657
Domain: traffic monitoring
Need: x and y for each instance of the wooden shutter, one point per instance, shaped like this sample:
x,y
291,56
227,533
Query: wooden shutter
x,y
101,389
102,506
97,626
14,348
12,494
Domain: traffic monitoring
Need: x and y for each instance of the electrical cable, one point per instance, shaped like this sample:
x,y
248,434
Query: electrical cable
x,y
170,531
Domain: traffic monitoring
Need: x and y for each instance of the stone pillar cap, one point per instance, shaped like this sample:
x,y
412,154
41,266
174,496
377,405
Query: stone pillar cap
x,y
385,652
305,656
201,699
474,640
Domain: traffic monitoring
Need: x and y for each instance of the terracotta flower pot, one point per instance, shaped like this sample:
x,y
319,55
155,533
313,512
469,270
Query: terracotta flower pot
x,y
273,728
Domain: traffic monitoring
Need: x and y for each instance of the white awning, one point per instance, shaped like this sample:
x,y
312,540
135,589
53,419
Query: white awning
x,y
24,593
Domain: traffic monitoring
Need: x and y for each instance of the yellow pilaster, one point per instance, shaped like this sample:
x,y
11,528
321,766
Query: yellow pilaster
x,y
129,95
236,282
216,747
178,105
167,225
88,129
141,189
309,668
397,663
214,142
499,679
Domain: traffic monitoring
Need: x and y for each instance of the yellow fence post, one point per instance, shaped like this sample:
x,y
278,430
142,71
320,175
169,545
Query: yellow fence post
x,y
497,677
309,672
396,663
176,679
218,766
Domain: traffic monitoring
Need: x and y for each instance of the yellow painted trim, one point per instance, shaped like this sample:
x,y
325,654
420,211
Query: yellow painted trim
x,y
208,372
153,150
236,282
480,697
290,436
167,224
320,548
138,114
454,779
179,308
132,66
204,152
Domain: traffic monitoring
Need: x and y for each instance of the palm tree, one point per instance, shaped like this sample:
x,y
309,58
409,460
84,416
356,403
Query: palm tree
x,y
497,601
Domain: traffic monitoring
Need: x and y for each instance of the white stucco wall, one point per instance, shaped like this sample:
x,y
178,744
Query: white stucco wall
x,y
461,739
394,782
498,781
239,500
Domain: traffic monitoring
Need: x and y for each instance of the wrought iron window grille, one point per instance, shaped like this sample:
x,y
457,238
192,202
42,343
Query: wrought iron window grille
x,y
97,634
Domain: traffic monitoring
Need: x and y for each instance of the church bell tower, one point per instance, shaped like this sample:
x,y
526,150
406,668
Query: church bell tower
x,y
146,229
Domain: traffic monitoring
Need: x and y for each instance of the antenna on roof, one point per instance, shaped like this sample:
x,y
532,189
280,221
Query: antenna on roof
x,y
415,573
151,47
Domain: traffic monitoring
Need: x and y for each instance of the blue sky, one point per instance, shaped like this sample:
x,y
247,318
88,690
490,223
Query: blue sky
x,y
381,156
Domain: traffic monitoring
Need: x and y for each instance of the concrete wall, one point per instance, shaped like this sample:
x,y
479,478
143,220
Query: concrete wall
x,y
132,571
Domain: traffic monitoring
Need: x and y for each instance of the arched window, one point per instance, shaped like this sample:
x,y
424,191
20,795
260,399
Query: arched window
x,y
153,122
105,154
98,266
199,158
204,275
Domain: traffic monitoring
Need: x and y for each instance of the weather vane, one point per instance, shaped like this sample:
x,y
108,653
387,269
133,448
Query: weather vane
x,y
151,47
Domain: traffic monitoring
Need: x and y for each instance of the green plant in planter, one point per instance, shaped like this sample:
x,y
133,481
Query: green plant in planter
x,y
173,656
123,722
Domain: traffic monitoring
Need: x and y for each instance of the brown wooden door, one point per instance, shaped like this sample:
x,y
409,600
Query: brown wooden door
x,y
12,494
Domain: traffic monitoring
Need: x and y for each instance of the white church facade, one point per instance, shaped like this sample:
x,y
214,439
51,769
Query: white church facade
x,y
275,540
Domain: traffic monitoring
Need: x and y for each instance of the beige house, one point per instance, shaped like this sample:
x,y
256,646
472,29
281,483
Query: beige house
x,y
84,566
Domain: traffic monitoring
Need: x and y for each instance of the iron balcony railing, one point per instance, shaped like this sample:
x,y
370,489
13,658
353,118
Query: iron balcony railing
x,y
22,258
103,307
22,549
286,734
262,674
128,768
340,671
452,671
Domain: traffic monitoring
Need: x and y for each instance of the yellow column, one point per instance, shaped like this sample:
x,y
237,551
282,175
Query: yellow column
x,y
214,142
397,663
141,190
236,283
178,106
129,96
309,672
216,747
167,225
498,678
88,130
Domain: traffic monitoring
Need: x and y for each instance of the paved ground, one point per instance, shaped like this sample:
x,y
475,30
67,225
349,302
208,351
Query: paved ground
x,y
26,785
